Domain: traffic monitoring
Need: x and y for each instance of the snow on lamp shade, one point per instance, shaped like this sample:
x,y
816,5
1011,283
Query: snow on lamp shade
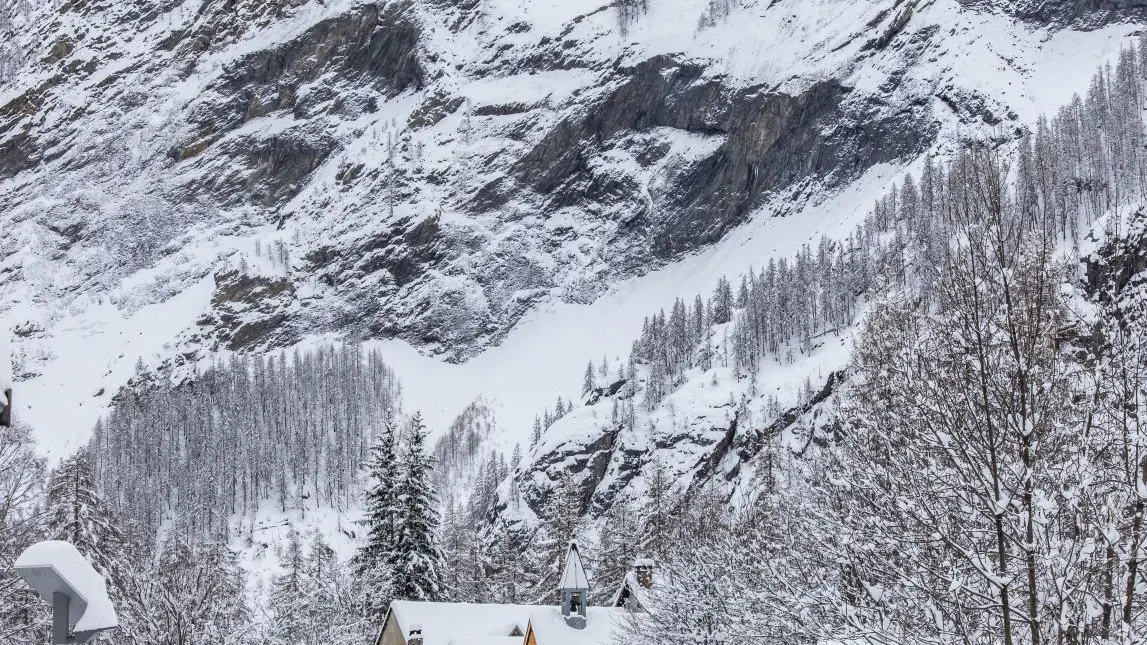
x,y
5,381
57,567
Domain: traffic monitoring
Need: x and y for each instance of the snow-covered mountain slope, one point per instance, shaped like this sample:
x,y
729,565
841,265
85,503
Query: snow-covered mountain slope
x,y
180,179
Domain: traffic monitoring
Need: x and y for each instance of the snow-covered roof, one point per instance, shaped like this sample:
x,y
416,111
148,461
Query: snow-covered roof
x,y
573,574
637,593
601,624
489,640
457,623
54,566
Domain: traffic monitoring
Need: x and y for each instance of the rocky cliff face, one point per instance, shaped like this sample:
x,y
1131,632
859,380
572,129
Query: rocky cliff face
x,y
729,441
255,172
1082,14
432,170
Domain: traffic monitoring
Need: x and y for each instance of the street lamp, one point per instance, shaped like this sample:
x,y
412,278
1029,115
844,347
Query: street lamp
x,y
81,608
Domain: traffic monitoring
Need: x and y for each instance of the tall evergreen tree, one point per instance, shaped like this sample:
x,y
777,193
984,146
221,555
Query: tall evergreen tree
x,y
382,503
416,561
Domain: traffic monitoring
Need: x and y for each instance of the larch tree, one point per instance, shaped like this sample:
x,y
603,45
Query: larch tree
x,y
77,513
22,473
290,589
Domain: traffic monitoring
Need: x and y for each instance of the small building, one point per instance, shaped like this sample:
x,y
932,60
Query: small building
x,y
634,591
410,622
571,622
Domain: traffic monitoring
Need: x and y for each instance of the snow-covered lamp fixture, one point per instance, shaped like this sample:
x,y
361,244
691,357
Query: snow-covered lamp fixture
x,y
574,589
81,608
5,383
6,408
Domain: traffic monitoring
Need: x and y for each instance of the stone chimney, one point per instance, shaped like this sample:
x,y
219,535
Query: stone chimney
x,y
415,637
643,571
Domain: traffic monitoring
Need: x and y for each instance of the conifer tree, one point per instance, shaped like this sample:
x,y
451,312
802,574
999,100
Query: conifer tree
x,y
416,560
381,502
507,564
722,302
656,514
288,590
561,516
618,546
76,513
588,379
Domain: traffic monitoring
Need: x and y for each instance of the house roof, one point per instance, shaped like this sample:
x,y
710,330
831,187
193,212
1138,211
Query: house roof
x,y
487,640
573,574
450,623
643,596
601,625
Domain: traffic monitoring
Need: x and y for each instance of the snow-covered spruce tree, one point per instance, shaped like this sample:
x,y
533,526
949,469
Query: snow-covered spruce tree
x,y
76,512
508,582
416,560
372,561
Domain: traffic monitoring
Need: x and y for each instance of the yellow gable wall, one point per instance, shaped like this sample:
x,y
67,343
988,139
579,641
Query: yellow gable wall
x,y
391,632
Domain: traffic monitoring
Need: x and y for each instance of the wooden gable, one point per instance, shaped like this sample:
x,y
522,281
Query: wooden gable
x,y
391,633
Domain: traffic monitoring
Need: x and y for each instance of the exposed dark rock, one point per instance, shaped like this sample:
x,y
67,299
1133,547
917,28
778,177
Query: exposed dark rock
x,y
249,311
598,393
769,142
372,48
1119,266
606,461
586,463
433,109
1082,14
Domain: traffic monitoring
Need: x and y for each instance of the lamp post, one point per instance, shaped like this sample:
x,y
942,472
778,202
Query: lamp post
x,y
81,608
